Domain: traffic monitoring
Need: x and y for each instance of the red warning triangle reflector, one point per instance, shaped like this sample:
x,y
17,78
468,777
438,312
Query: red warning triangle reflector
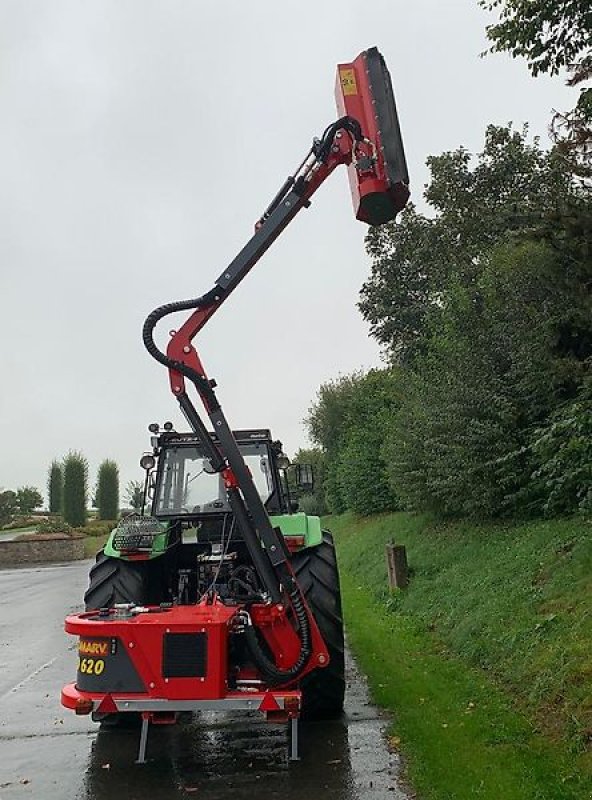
x,y
269,703
107,705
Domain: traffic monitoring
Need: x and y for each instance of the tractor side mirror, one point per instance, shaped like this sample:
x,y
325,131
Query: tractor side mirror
x,y
304,477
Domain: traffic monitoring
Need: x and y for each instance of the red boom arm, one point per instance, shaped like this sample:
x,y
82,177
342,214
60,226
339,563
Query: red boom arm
x,y
367,139
377,173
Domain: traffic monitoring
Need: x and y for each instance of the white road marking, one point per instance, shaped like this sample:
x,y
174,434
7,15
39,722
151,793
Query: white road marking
x,y
29,677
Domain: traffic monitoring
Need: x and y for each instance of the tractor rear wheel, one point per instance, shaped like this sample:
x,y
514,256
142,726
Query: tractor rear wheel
x,y
317,575
113,580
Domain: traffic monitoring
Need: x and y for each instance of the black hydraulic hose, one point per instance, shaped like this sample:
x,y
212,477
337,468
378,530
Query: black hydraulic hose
x,y
273,674
322,147
208,299
268,669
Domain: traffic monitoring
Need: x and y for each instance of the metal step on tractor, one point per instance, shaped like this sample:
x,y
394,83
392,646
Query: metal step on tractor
x,y
224,596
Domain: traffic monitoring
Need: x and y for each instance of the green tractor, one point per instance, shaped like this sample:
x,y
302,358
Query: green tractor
x,y
225,596
190,547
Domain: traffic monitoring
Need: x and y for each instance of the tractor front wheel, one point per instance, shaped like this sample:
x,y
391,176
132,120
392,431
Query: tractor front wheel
x,y
317,575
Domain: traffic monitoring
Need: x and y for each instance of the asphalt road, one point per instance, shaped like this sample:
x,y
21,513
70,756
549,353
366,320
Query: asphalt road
x,y
48,753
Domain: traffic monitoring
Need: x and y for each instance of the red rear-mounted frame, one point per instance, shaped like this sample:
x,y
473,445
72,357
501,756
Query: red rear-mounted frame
x,y
128,665
142,637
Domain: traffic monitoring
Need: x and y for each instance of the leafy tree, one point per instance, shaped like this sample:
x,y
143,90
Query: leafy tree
x,y
327,423
75,490
490,373
362,470
488,305
562,451
28,498
552,35
107,491
571,130
8,506
349,421
328,417
134,495
509,191
55,483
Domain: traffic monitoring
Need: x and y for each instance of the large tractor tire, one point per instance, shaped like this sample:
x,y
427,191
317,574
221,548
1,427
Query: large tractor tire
x,y
317,575
113,580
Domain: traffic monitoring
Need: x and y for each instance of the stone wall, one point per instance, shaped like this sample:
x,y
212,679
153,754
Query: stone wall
x,y
63,548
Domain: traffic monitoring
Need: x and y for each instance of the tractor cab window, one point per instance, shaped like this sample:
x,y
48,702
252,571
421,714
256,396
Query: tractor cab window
x,y
187,485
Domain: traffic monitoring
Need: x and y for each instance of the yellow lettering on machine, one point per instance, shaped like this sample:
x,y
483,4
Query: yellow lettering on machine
x,y
89,648
348,81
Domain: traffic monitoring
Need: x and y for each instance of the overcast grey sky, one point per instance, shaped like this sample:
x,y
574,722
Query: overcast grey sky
x,y
140,140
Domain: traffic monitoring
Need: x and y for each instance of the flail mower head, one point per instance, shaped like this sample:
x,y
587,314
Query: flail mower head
x,y
364,91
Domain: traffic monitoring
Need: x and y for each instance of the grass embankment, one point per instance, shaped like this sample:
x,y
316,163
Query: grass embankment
x,y
486,659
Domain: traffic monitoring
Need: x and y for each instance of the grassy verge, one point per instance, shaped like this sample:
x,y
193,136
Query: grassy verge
x,y
488,647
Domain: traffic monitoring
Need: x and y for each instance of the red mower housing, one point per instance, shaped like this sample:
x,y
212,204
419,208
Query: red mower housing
x,y
364,91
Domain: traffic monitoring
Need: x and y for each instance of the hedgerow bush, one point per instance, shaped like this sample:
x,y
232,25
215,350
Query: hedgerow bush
x,y
563,452
54,526
95,529
349,421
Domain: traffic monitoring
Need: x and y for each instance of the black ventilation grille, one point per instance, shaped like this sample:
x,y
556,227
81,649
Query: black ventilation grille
x,y
184,655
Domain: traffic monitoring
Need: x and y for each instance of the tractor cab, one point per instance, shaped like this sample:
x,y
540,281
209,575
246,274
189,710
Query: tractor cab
x,y
184,485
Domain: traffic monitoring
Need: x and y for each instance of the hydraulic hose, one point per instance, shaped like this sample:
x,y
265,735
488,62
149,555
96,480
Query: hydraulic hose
x,y
268,669
322,147
208,299
321,150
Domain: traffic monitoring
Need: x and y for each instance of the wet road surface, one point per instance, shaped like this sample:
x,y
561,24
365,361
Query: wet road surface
x,y
48,753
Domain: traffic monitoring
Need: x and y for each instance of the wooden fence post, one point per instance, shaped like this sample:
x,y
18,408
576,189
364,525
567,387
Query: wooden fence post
x,y
396,562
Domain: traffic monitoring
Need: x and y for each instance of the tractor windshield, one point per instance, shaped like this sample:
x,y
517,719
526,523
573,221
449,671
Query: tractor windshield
x,y
187,485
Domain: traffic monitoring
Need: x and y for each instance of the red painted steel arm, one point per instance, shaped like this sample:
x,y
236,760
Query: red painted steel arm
x,y
180,347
